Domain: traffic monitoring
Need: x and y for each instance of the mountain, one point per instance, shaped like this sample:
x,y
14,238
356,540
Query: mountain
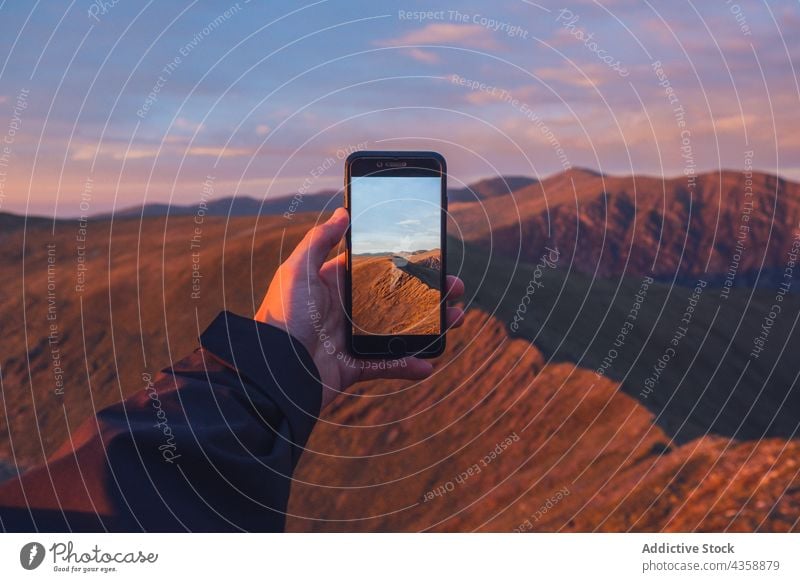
x,y
242,205
9,222
501,439
728,228
611,226
409,285
489,188
687,354
515,430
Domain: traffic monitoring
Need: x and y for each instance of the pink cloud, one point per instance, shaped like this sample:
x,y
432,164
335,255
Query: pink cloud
x,y
187,125
423,56
587,76
120,151
520,93
465,35
221,152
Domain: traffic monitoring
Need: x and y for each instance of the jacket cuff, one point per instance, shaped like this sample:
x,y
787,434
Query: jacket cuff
x,y
274,361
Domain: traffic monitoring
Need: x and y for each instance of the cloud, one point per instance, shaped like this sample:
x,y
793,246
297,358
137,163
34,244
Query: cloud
x,y
113,150
570,76
423,56
262,129
562,37
734,123
522,94
462,35
219,152
136,154
83,152
120,151
187,125
172,138
409,222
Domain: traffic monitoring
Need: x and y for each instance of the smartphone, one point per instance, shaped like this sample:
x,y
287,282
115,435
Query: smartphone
x,y
396,253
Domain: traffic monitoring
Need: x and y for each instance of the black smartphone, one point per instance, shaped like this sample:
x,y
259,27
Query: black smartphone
x,y
396,253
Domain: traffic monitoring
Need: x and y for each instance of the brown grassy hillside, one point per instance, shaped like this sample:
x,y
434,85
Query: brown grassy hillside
x,y
380,452
135,314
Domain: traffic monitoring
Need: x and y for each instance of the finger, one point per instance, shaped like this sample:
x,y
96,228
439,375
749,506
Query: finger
x,y
402,369
333,273
454,317
454,288
321,240
334,268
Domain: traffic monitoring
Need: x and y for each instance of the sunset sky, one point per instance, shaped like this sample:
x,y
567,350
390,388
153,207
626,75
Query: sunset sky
x,y
140,102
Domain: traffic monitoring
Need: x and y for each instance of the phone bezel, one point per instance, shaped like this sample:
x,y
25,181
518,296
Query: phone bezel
x,y
420,163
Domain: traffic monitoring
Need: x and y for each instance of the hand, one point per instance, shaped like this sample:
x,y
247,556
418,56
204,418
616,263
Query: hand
x,y
306,298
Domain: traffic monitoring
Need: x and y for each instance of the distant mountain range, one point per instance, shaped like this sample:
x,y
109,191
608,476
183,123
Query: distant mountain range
x,y
245,205
728,228
237,206
489,188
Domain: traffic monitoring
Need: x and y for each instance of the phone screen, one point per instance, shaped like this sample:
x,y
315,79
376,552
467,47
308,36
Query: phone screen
x,y
396,255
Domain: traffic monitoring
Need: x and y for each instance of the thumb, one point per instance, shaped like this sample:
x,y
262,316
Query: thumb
x,y
320,240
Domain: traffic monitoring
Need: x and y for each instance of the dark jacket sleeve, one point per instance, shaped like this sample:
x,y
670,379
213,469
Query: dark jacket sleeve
x,y
208,445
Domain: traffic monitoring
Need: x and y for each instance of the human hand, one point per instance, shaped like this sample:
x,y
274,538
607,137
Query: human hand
x,y
306,298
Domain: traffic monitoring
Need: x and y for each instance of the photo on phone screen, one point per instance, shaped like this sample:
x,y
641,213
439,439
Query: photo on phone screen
x,y
396,255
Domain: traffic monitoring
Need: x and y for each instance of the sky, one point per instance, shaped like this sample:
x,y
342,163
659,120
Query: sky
x,y
107,105
392,214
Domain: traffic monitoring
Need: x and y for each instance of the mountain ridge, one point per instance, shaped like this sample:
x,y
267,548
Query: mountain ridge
x,y
480,190
725,227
